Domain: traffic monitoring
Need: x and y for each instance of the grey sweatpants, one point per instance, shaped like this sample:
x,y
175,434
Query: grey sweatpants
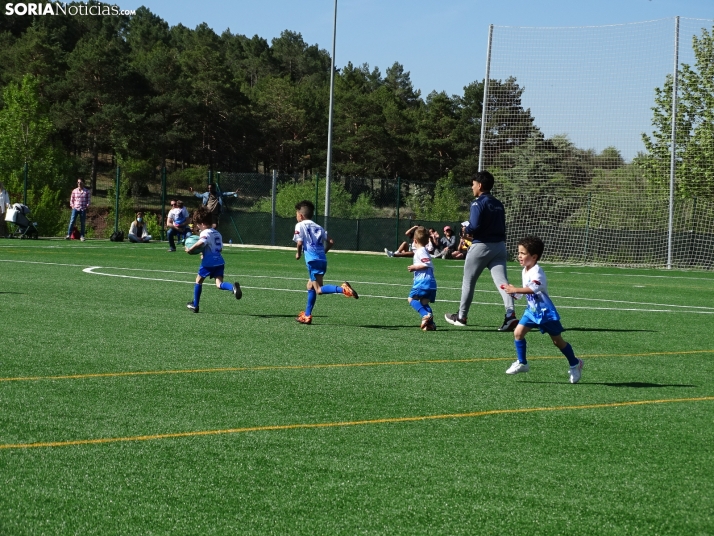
x,y
481,255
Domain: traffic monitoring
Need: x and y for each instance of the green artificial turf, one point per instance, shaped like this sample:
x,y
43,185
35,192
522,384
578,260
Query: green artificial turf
x,y
121,412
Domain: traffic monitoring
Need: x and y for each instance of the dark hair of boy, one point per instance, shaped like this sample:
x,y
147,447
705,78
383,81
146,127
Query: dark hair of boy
x,y
533,245
202,215
421,236
485,179
306,208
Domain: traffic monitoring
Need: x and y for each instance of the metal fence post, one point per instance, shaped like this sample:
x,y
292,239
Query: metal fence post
x,y
163,201
396,233
317,194
484,112
673,155
587,230
116,201
274,195
24,190
357,238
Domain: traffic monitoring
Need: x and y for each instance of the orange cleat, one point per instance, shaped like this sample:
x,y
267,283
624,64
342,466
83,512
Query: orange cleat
x,y
348,291
303,318
426,320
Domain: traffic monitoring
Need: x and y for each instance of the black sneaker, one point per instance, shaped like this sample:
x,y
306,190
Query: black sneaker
x,y
454,319
191,307
237,292
509,323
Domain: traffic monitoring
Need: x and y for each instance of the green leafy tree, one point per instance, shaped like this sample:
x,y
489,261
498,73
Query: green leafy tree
x,y
291,193
694,155
447,203
26,138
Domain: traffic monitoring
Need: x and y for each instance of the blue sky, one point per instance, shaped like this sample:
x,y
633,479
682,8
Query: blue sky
x,y
442,43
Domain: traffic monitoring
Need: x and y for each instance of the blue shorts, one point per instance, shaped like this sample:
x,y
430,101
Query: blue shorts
x,y
211,271
421,293
551,327
316,267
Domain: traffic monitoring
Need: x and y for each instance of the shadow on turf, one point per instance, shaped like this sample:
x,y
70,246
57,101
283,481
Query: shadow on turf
x,y
634,385
613,330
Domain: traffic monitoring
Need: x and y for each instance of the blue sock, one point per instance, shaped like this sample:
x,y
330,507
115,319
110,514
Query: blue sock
x,y
521,350
311,299
197,288
331,289
227,286
570,355
419,308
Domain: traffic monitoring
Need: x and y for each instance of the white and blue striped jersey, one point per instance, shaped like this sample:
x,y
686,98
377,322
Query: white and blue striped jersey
x,y
540,306
313,238
423,279
213,248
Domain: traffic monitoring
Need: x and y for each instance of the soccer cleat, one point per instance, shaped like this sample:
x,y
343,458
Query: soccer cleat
x,y
172,250
303,318
67,237
389,253
431,326
454,319
348,291
517,367
81,238
426,320
237,292
575,372
509,323
191,307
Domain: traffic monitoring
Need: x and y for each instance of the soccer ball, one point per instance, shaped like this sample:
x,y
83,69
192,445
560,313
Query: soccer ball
x,y
190,241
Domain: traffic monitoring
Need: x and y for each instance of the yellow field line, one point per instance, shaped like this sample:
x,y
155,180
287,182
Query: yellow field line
x,y
346,423
326,366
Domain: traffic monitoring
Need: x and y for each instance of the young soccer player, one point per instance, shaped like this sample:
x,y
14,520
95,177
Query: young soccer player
x,y
424,287
212,263
313,241
541,312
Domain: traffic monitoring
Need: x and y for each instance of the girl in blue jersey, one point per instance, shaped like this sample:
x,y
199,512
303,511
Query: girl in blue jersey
x,y
212,263
541,312
312,240
424,287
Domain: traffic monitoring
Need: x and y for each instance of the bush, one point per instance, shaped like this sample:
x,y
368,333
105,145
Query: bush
x,y
192,177
291,193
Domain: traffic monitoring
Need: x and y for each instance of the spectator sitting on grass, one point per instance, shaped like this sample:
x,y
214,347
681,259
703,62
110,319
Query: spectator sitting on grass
x,y
137,230
405,248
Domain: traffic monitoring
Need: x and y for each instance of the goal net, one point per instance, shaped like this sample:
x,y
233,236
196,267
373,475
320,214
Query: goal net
x,y
577,133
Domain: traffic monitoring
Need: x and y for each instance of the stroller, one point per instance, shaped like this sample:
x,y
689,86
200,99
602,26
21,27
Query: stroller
x,y
24,228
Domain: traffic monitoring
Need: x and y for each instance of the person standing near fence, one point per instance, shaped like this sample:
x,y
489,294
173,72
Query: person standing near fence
x,y
213,201
79,202
487,226
4,205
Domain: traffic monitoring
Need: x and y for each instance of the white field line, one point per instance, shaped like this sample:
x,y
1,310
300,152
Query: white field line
x,y
672,308
93,270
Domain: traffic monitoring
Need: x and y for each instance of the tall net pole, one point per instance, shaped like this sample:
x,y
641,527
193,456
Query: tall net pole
x,y
328,178
484,112
673,155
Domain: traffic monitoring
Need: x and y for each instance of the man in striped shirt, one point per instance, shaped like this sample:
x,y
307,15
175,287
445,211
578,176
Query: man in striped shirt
x,y
78,202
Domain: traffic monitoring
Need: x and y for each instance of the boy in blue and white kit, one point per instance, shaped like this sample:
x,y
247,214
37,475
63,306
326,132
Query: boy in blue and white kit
x,y
541,312
212,263
424,287
313,241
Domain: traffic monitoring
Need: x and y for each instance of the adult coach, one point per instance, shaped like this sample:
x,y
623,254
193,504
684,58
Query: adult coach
x,y
487,225
213,201
78,202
